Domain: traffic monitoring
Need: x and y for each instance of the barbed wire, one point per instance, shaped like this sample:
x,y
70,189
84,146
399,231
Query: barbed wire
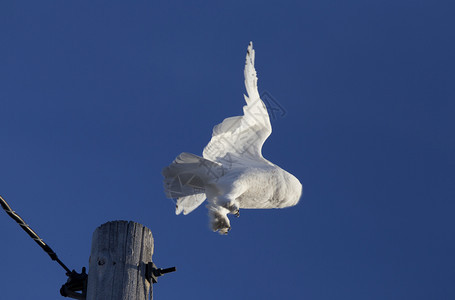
x,y
32,233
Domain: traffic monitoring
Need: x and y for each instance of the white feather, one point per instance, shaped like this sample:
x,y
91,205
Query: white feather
x,y
232,173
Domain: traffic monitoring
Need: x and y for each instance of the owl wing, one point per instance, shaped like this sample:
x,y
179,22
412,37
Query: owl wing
x,y
238,140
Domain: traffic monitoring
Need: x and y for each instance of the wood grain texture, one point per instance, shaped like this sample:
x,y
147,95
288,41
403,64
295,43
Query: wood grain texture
x,y
119,255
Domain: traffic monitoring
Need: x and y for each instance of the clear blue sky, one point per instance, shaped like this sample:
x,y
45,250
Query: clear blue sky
x,y
96,97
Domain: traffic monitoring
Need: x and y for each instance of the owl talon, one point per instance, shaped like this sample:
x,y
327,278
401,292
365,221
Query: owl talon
x,y
218,219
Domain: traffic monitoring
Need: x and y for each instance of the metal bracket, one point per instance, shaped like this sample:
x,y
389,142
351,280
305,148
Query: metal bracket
x,y
152,272
76,282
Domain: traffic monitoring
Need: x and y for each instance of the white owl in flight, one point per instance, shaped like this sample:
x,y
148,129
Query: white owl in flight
x,y
232,173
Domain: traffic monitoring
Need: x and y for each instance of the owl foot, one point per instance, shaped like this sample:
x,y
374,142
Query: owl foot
x,y
219,220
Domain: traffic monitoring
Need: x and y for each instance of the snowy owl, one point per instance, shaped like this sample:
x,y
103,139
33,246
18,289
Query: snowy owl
x,y
232,173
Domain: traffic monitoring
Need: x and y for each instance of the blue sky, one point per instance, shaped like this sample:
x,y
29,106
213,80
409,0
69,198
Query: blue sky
x,y
97,97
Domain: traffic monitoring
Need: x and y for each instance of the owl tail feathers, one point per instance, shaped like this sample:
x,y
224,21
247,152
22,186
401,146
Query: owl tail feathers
x,y
185,179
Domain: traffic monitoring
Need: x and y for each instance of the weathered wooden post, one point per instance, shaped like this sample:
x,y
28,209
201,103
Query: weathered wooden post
x,y
120,262
120,253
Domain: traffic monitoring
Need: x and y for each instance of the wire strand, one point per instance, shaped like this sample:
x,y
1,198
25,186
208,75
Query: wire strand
x,y
32,233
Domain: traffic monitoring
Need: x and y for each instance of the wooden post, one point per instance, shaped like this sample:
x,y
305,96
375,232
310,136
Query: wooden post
x,y
118,259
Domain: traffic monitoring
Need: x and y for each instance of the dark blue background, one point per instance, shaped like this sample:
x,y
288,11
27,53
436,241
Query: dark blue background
x,y
96,97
